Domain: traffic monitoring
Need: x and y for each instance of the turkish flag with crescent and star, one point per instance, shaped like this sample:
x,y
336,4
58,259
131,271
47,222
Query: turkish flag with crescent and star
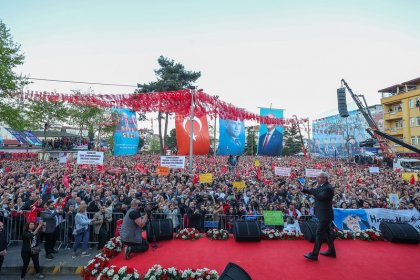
x,y
201,139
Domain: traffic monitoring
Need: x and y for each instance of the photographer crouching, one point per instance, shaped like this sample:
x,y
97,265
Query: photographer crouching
x,y
131,230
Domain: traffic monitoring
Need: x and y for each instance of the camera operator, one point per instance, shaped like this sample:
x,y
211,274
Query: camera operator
x,y
131,230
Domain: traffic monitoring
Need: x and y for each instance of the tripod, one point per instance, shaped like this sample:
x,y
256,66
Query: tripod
x,y
152,231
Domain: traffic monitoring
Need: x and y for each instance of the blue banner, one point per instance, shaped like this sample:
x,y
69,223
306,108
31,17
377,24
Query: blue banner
x,y
231,137
351,219
31,138
270,142
18,135
126,135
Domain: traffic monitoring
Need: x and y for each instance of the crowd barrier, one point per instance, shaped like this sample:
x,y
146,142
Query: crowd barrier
x,y
15,222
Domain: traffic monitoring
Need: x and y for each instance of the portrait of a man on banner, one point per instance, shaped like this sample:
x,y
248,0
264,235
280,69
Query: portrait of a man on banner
x,y
231,137
270,142
353,220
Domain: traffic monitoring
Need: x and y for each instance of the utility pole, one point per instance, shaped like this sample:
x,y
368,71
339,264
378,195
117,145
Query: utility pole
x,y
192,92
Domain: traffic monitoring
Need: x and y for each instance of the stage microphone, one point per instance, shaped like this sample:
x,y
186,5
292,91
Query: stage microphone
x,y
314,183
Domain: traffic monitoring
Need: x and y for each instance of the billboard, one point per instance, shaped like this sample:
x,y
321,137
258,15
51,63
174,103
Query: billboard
x,y
231,137
270,142
330,134
126,135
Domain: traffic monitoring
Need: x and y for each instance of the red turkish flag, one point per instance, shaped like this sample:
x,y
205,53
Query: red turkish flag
x,y
201,139
412,180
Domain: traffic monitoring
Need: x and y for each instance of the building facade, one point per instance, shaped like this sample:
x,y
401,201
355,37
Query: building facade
x,y
401,105
334,136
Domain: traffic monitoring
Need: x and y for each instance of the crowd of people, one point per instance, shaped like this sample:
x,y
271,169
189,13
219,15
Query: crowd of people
x,y
88,199
65,143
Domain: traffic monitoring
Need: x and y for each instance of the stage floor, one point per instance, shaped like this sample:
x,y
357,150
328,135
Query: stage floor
x,y
283,259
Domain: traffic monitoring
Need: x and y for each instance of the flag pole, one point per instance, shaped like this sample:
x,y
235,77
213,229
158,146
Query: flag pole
x,y
214,134
192,91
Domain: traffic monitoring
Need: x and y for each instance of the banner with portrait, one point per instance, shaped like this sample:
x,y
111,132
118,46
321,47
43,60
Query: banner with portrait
x,y
231,137
270,141
351,219
361,219
126,135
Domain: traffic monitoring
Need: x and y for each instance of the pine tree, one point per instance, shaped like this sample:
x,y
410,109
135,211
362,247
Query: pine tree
x,y
292,142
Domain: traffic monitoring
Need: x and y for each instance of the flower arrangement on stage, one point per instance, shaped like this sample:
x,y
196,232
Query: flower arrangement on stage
x,y
158,272
369,235
271,234
292,235
274,234
115,273
217,234
112,247
188,234
344,234
96,266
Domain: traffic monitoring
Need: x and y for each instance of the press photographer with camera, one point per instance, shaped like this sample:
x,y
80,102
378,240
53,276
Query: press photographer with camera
x,y
131,230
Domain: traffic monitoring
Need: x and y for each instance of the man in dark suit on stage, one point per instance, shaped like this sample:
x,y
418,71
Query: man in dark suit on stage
x,y
270,143
323,194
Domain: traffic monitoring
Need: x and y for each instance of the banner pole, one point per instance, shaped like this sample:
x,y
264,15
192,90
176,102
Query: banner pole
x,y
214,134
192,91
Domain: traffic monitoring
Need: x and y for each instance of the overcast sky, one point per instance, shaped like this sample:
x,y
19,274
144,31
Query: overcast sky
x,y
251,53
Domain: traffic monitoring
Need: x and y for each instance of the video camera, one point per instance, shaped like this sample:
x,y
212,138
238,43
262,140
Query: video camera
x,y
148,207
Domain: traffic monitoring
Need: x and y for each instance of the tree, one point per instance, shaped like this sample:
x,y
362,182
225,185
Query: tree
x,y
292,143
170,76
154,144
44,114
171,140
251,143
11,112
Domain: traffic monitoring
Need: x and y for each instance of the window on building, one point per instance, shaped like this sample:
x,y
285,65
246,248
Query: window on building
x,y
418,121
412,103
399,124
411,122
413,140
418,140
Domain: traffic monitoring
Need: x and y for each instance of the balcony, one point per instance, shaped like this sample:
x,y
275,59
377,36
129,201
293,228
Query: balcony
x,y
393,116
394,131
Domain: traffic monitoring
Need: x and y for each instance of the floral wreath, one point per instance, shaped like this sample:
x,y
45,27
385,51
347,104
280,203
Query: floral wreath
x,y
217,234
369,235
188,234
275,234
98,268
343,234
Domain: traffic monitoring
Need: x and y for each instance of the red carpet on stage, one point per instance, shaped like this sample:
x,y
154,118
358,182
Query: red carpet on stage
x,y
283,259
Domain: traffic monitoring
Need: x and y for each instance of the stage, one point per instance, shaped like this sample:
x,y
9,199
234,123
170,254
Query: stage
x,y
283,259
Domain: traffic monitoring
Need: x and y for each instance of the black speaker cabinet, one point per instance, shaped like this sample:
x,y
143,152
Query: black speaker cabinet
x,y
234,272
342,103
246,231
308,229
399,232
162,229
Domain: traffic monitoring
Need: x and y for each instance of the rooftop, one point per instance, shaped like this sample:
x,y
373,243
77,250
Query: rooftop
x,y
402,87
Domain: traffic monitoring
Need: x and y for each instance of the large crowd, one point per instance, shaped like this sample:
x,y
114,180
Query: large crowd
x,y
29,187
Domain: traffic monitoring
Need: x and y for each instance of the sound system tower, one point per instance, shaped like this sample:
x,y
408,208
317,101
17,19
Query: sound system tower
x,y
342,103
234,272
163,230
399,232
246,231
308,229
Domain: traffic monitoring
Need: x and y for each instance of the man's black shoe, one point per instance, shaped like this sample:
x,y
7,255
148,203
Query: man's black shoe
x,y
328,254
49,256
311,257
